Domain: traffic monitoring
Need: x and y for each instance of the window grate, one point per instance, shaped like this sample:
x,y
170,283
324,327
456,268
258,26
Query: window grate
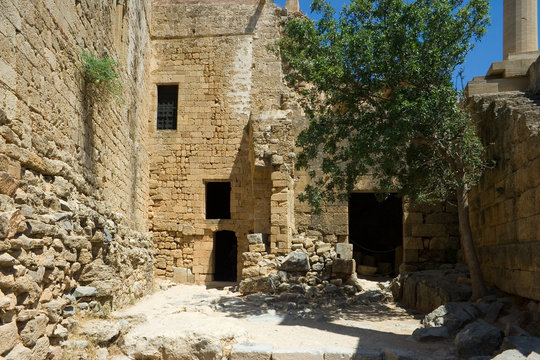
x,y
167,107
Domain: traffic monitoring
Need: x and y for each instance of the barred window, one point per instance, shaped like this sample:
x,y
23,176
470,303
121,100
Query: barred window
x,y
167,107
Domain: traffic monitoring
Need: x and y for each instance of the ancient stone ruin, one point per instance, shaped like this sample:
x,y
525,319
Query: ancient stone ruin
x,y
189,175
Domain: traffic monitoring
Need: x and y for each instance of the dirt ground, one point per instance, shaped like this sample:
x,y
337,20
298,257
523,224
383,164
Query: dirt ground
x,y
200,315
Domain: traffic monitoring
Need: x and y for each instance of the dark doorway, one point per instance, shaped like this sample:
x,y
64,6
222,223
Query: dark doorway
x,y
225,247
218,200
376,230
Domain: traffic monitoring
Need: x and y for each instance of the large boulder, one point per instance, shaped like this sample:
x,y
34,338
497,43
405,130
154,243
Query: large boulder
x,y
296,262
478,339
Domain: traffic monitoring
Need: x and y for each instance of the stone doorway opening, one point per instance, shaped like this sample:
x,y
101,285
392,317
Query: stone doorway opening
x,y
225,256
376,232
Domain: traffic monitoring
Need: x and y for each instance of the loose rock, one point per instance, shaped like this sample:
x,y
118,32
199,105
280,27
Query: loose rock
x,y
477,339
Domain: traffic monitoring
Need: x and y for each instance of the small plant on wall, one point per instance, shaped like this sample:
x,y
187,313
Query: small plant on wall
x,y
101,74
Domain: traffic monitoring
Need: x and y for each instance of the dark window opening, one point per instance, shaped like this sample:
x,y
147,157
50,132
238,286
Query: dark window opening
x,y
225,250
218,200
167,107
376,231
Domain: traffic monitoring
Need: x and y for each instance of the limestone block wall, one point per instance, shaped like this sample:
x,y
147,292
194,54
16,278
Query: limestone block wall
x,y
73,168
430,234
231,127
505,206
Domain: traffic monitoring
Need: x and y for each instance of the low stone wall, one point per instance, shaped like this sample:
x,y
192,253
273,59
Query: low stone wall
x,y
313,266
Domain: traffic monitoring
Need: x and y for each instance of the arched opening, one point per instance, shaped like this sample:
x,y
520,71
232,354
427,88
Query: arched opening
x,y
225,253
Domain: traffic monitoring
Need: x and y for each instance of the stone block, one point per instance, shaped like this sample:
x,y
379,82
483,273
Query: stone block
x,y
183,276
401,354
251,352
84,291
344,251
297,355
335,353
367,354
254,239
257,248
343,267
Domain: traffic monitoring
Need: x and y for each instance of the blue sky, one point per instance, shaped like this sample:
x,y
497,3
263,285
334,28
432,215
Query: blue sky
x,y
479,60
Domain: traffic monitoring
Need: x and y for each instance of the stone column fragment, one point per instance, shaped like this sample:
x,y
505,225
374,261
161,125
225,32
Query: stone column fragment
x,y
520,33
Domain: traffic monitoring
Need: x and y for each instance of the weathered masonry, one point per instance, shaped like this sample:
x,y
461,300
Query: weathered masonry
x,y
192,174
224,169
223,129
73,169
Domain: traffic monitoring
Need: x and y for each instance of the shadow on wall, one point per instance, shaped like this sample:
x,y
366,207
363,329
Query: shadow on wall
x,y
254,19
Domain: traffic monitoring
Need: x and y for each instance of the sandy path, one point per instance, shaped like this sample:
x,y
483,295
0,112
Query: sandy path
x,y
219,316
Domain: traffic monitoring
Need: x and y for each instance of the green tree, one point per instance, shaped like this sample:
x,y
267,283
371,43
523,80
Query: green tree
x,y
376,81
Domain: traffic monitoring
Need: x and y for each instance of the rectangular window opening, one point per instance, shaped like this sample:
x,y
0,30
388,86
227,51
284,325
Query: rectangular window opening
x,y
167,107
218,200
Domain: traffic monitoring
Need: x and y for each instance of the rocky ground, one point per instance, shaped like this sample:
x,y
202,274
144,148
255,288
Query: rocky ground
x,y
193,322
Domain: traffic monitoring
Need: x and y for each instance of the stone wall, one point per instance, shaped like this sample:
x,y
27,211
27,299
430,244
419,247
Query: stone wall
x,y
73,168
505,206
233,125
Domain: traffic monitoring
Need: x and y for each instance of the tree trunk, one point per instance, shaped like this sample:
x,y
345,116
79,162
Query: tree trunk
x,y
478,287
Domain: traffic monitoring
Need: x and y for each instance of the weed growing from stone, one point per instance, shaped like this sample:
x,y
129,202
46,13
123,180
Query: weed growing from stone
x,y
101,73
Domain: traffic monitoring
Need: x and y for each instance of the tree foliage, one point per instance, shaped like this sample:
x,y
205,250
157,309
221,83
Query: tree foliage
x,y
376,81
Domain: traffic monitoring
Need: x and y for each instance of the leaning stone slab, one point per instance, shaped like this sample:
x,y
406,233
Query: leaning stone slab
x,y
297,355
251,352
